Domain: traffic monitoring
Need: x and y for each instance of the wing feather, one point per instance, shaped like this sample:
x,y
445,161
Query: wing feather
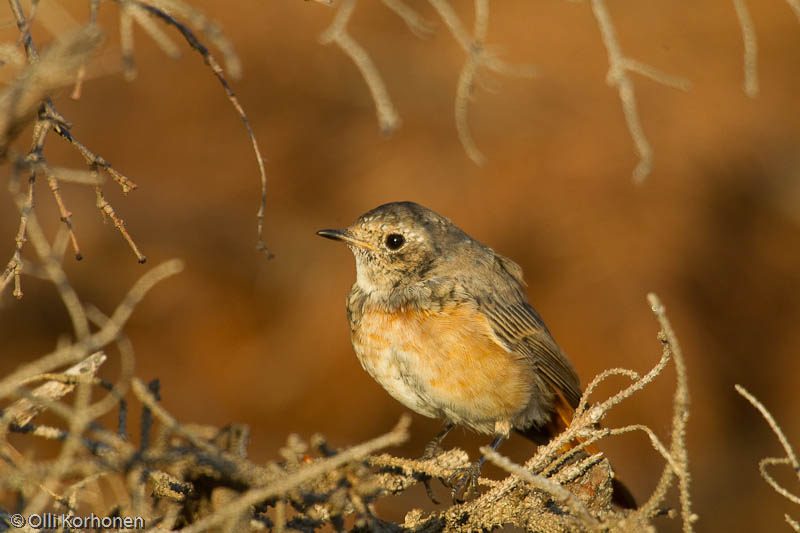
x,y
517,324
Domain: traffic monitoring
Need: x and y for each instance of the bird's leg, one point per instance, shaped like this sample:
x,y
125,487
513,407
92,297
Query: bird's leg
x,y
465,481
434,448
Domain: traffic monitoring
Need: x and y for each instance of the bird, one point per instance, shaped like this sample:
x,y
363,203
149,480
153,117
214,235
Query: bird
x,y
443,323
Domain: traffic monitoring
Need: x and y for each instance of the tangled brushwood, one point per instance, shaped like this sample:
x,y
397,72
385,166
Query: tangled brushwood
x,y
180,476
193,478
197,478
177,476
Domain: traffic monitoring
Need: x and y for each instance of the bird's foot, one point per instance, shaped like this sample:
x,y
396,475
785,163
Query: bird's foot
x,y
464,482
432,449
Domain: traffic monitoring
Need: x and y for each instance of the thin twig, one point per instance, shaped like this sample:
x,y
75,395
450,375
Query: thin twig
x,y
155,32
473,45
466,81
790,459
633,375
750,48
117,392
126,40
680,416
557,491
107,211
762,467
618,77
618,67
24,29
415,22
37,162
795,5
66,215
94,6
772,424
648,71
94,160
78,423
462,36
388,119
215,67
206,26
108,333
55,272
24,410
14,267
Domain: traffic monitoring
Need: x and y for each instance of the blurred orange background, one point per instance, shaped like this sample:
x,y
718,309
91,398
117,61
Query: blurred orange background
x,y
235,338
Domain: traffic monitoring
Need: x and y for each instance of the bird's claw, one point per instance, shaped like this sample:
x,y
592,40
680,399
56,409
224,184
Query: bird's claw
x,y
464,482
432,449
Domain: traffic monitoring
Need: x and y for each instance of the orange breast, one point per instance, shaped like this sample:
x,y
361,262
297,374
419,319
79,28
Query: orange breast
x,y
444,364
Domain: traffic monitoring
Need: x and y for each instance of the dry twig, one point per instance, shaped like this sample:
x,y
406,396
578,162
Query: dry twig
x,y
388,119
618,67
161,9
750,48
162,476
789,460
26,99
59,385
474,46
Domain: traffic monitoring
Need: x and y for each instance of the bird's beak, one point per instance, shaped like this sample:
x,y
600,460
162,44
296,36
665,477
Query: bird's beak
x,y
345,236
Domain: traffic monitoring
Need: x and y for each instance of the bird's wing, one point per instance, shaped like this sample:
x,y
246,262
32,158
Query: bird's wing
x,y
523,332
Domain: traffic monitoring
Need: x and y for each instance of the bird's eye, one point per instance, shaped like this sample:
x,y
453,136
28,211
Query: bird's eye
x,y
395,241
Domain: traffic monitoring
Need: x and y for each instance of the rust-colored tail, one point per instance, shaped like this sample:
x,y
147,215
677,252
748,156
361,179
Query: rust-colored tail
x,y
562,416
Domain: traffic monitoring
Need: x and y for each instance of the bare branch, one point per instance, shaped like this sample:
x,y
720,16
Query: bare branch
x,y
560,493
680,416
762,467
648,71
453,22
211,30
107,211
107,334
618,77
462,36
633,375
790,459
750,48
473,45
197,19
396,436
795,5
14,267
466,81
388,119
772,424
418,25
618,67
73,175
24,410
155,32
126,39
56,67
92,159
55,272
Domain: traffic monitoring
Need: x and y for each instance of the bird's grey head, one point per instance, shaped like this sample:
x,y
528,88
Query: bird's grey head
x,y
402,243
